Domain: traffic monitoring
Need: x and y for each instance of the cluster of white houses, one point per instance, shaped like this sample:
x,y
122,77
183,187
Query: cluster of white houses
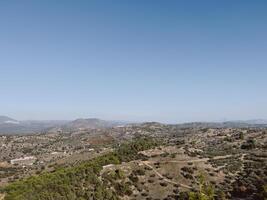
x,y
28,160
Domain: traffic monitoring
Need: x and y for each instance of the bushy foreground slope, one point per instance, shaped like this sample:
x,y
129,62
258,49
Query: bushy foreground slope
x,y
80,182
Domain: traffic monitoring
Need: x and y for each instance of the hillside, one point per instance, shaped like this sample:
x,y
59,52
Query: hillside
x,y
91,123
148,161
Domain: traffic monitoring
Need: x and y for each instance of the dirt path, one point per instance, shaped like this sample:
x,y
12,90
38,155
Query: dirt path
x,y
242,165
165,179
2,196
199,160
147,163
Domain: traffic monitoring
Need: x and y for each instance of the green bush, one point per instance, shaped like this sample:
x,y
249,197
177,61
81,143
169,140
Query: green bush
x,y
69,183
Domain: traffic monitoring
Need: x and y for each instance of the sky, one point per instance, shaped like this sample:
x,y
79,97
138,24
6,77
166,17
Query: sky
x,y
167,61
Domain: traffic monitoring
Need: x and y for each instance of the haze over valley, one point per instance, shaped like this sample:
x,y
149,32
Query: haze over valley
x,y
133,100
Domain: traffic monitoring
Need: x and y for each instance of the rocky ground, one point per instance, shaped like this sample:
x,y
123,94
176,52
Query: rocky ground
x,y
233,161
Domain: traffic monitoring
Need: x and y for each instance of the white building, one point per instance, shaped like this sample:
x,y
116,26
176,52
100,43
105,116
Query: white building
x,y
29,160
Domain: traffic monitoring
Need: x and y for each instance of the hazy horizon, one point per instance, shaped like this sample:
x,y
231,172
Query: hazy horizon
x,y
136,121
175,61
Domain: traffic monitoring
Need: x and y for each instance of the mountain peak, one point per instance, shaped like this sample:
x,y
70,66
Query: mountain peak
x,y
8,120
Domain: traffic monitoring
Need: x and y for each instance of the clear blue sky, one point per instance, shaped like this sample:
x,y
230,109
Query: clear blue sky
x,y
169,61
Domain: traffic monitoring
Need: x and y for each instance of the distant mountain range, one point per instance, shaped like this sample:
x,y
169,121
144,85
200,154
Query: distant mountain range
x,y
13,126
91,123
254,121
8,120
227,124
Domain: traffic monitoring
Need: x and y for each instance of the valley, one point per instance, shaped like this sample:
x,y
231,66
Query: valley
x,y
149,161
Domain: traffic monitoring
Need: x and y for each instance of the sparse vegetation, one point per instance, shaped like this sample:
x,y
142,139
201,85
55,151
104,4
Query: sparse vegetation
x,y
232,164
